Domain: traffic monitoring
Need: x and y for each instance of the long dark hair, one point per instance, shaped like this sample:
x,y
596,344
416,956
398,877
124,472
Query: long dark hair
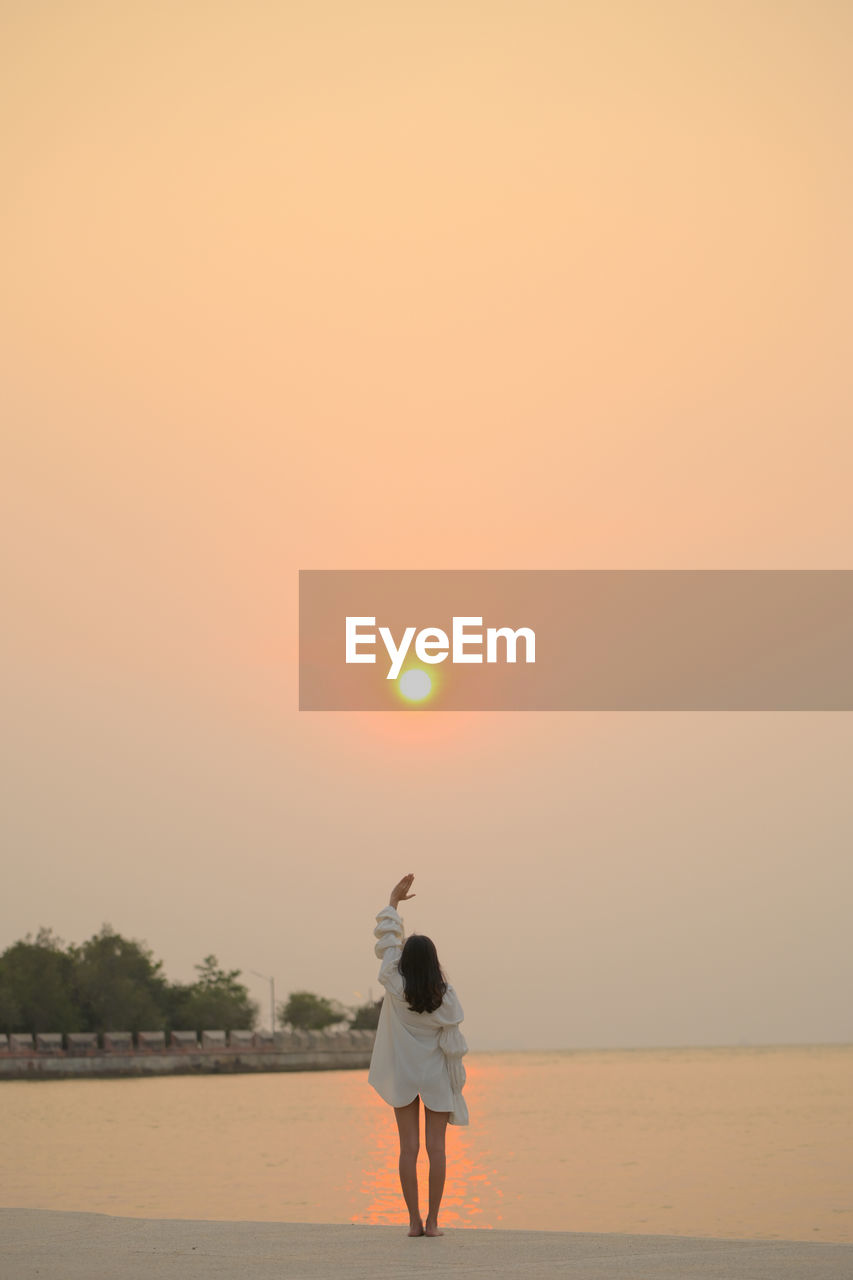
x,y
423,979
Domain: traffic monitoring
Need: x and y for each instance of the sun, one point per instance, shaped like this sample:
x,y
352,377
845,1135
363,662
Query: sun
x,y
417,688
415,684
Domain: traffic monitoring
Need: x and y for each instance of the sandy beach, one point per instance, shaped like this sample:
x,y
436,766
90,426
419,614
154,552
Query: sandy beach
x,y
46,1244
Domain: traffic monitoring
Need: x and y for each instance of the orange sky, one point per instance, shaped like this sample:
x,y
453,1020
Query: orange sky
x,y
389,286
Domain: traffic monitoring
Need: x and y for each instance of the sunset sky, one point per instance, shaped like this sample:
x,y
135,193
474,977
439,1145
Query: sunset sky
x,y
328,285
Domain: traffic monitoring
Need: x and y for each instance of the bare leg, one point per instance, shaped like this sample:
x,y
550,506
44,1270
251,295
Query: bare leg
x,y
436,1126
408,1125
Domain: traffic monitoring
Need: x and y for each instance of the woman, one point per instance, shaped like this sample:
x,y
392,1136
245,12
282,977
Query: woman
x,y
417,1053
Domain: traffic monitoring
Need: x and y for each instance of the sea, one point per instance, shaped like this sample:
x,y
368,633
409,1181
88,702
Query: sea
x,y
741,1143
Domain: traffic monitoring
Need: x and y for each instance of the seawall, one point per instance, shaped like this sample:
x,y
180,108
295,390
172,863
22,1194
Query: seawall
x,y
307,1051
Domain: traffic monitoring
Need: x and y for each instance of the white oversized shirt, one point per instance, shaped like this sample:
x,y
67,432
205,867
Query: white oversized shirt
x,y
415,1053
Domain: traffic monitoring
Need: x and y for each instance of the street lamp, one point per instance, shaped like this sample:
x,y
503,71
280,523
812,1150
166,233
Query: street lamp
x,y
271,981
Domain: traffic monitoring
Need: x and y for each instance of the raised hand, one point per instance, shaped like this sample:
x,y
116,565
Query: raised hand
x,y
400,892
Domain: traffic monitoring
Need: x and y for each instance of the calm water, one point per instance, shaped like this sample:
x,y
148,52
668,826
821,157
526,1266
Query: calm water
x,y
720,1142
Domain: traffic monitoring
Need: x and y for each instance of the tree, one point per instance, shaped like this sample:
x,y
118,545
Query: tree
x,y
366,1016
37,986
119,984
215,1001
306,1012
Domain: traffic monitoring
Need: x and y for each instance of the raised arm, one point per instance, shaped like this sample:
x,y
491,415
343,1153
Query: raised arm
x,y
390,935
400,892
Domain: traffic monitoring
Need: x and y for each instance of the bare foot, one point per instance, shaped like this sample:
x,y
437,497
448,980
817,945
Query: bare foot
x,y
432,1228
416,1228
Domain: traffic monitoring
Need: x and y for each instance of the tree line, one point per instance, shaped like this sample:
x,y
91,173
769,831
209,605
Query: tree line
x,y
112,983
